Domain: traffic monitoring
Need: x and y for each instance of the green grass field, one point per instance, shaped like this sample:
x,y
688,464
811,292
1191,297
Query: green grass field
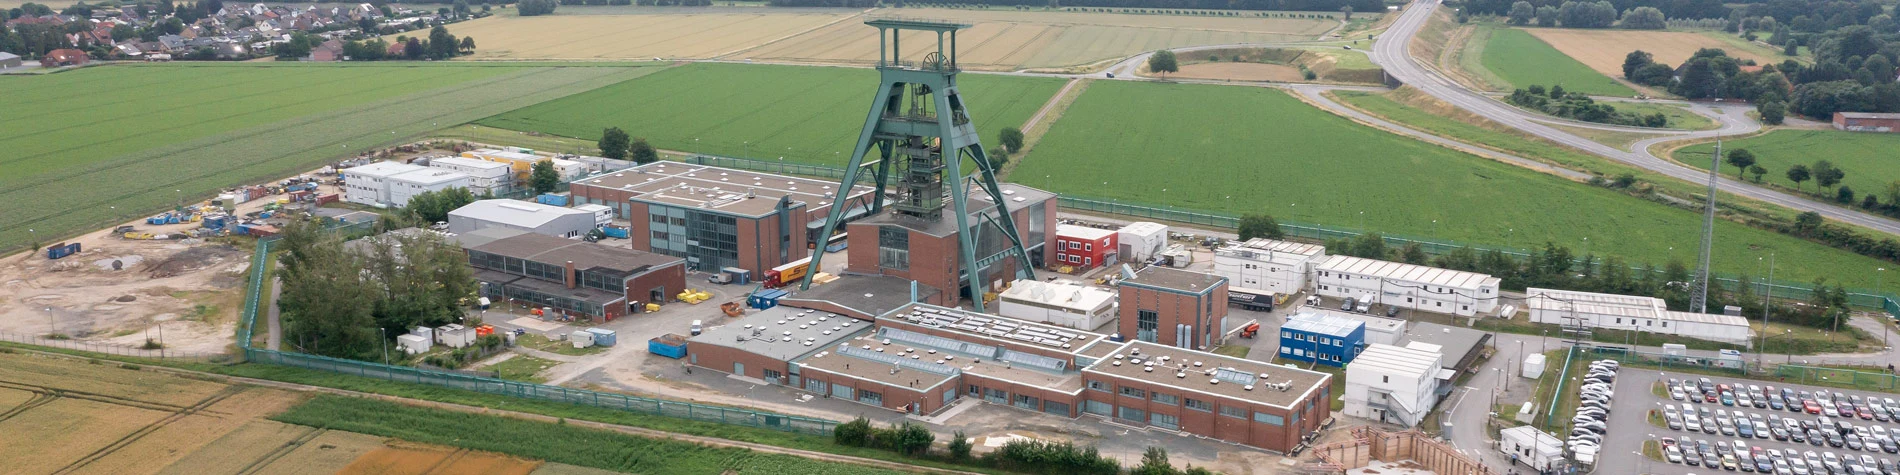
x,y
97,146
804,114
1523,60
1868,158
1679,117
1248,150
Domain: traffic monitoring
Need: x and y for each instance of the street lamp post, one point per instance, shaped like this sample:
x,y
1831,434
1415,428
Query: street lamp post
x,y
385,334
50,329
1885,331
1769,286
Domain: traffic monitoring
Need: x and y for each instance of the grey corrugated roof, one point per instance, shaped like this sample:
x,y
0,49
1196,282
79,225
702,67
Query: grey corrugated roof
x,y
519,213
764,333
585,255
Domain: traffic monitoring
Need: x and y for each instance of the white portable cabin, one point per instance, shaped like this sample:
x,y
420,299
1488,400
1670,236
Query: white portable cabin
x,y
1533,366
1531,447
369,184
581,339
413,344
603,215
455,335
483,176
1141,241
1276,266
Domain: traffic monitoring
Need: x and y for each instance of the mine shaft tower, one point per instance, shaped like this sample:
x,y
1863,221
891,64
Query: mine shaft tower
x,y
914,144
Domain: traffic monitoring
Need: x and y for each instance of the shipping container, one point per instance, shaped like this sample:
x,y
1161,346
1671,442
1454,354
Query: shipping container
x,y
669,345
765,299
552,199
604,337
62,250
327,199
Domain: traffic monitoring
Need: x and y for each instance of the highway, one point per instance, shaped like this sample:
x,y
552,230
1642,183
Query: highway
x,y
1391,53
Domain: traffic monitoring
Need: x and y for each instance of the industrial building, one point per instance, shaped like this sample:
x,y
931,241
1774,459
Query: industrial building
x,y
1407,285
1173,307
1381,330
1529,446
391,184
927,250
1267,266
522,215
1867,121
923,358
717,217
575,278
484,177
1083,247
1065,303
1141,241
522,162
1393,384
1326,339
1583,310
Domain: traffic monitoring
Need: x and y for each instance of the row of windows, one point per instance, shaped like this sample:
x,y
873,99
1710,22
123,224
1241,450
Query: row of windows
x,y
1103,409
1647,323
893,247
1427,288
1309,337
1068,245
1075,259
1304,353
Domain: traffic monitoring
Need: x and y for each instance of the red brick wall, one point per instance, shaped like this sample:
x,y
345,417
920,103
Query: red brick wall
x,y
1172,309
895,397
1043,395
721,359
1212,423
672,277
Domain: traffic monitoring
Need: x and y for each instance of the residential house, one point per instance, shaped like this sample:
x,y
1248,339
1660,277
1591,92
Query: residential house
x,y
64,57
328,51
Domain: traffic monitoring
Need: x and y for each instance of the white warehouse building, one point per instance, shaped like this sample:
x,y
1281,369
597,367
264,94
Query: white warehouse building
x,y
521,215
1407,285
369,184
483,176
405,185
1141,241
1630,312
1393,384
1268,266
1060,302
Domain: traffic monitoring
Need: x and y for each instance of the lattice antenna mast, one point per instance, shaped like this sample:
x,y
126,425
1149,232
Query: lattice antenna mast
x,y
922,134
1698,302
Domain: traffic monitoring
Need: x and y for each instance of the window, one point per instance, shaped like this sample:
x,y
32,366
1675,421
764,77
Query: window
x,y
1096,407
1027,402
1199,405
771,376
1269,419
1095,385
1385,379
1088,261
1057,408
1286,351
871,398
815,386
1133,414
1134,392
1165,421
1234,412
976,390
1169,399
1286,334
893,247
1090,247
1146,324
997,396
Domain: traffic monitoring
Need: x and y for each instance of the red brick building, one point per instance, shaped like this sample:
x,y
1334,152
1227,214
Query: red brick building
x,y
64,57
927,250
1867,122
1173,307
575,278
1084,247
717,217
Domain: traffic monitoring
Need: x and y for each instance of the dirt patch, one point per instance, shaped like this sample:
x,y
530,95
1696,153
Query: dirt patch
x,y
254,444
193,434
192,288
194,259
404,458
1604,50
1230,71
50,437
326,454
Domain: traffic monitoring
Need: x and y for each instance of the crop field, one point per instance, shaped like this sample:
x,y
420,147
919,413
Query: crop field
x,y
997,39
1251,150
1521,59
1604,50
1868,158
803,114
91,150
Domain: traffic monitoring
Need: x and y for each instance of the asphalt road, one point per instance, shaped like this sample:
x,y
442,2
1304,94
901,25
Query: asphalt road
x,y
1391,54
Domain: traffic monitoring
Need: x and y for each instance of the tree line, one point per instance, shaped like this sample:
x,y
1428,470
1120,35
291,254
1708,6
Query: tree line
x,y
1599,14
1579,106
1021,455
350,301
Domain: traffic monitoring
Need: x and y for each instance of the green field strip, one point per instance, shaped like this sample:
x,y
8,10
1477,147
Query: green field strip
x,y
1524,60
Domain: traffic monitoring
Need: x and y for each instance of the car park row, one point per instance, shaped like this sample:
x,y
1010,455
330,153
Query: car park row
x,y
1818,418
1591,422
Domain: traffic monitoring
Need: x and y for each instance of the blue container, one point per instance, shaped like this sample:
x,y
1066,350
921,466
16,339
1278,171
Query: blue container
x,y
603,337
669,346
613,232
62,250
552,199
765,299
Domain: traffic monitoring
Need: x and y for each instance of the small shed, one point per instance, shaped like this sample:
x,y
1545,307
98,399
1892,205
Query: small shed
x,y
9,60
1531,447
455,335
1141,241
581,339
413,344
603,337
1533,366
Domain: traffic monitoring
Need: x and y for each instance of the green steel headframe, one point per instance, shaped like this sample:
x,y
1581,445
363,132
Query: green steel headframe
x,y
922,133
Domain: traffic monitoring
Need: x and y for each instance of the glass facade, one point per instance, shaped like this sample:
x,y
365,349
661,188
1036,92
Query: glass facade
x,y
1146,323
893,247
603,281
556,301
706,240
1034,235
1165,421
1097,407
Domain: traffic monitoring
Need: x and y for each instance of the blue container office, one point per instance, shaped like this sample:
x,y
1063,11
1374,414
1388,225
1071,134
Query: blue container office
x,y
1333,340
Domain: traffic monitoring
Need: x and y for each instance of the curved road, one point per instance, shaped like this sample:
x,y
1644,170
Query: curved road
x,y
1392,54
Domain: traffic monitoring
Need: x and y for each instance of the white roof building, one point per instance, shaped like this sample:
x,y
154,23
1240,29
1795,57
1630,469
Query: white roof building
x,y
1141,241
1381,330
522,215
404,185
369,184
1268,266
1408,285
1630,312
1060,302
1393,384
1529,446
483,176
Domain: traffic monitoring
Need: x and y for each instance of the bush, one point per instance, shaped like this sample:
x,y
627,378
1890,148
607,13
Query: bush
x,y
960,447
1035,456
856,433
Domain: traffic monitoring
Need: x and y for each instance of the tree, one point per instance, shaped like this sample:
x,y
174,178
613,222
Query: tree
x,y
1163,62
1636,60
1807,222
960,447
1557,91
1547,16
856,433
1522,12
1798,173
1654,74
468,44
442,45
613,143
642,152
1741,159
1413,253
912,439
1844,194
543,177
434,206
1260,226
123,32
1154,462
1758,171
1826,174
326,301
461,8
1370,246
1643,18
1011,138
413,49
1772,112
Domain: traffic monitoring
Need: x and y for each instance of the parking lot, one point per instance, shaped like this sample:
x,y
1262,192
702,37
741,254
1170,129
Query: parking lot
x,y
1636,386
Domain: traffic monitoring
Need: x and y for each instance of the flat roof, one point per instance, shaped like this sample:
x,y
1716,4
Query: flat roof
x,y
1278,246
880,368
516,212
1617,305
727,190
585,255
1177,279
1398,359
381,169
1101,349
1176,367
504,154
1083,232
1059,294
1869,115
484,236
1407,272
1454,342
1143,228
972,326
1382,324
1322,324
584,294
873,356
869,295
783,333
468,162
1019,197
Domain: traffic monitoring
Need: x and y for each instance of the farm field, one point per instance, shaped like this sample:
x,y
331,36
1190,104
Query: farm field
x,y
1521,59
1603,50
1298,163
1868,158
997,40
804,114
182,136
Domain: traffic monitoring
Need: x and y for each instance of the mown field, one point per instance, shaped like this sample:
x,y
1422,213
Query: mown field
x,y
997,39
1522,60
1603,50
96,146
1248,150
804,114
1868,158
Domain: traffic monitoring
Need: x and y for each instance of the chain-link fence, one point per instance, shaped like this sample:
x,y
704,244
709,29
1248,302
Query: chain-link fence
x,y
120,350
1823,376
